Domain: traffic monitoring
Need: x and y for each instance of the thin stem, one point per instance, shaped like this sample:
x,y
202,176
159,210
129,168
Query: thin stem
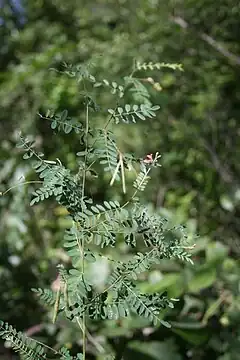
x,y
136,191
104,128
80,244
58,121
23,183
47,347
83,324
112,115
79,323
85,159
83,242
84,336
98,346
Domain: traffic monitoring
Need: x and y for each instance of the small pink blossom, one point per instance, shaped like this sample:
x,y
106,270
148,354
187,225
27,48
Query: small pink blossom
x,y
148,159
56,284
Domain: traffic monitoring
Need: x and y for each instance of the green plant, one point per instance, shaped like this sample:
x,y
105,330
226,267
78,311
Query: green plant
x,y
94,225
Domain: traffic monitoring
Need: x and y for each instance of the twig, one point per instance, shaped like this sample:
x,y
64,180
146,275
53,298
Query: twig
x,y
234,59
220,168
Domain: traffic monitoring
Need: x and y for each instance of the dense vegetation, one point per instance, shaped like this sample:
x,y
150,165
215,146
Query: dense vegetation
x,y
196,131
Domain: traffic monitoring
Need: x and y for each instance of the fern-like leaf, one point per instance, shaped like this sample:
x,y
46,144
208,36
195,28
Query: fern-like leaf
x,y
80,72
139,92
107,151
27,347
62,122
147,306
130,113
158,66
115,88
46,295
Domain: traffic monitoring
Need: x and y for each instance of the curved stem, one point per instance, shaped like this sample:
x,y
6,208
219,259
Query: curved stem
x,y
23,183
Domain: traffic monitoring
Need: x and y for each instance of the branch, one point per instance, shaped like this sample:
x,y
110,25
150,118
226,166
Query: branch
x,y
224,173
209,40
34,329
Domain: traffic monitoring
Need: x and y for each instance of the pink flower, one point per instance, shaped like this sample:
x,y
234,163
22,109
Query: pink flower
x,y
56,284
148,159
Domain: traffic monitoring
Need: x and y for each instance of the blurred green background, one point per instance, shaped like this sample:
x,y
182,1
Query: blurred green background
x,y
196,131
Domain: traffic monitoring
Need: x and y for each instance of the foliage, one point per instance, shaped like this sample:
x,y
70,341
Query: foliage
x,y
101,224
28,348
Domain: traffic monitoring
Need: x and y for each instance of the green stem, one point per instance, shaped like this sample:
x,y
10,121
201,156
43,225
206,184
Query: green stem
x,y
84,336
91,338
83,190
23,183
85,159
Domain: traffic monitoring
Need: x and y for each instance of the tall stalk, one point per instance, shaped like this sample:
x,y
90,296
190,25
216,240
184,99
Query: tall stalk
x,y
83,242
